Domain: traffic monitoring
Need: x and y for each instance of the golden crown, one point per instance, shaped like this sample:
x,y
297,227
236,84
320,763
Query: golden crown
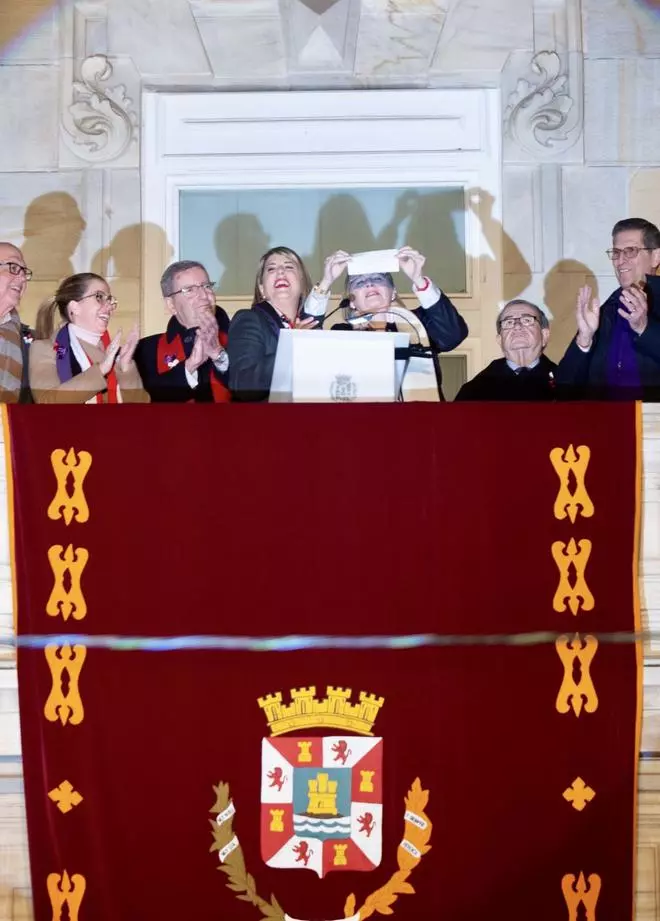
x,y
333,711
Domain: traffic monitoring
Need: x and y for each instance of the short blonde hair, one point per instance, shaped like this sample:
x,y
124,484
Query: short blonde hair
x,y
281,251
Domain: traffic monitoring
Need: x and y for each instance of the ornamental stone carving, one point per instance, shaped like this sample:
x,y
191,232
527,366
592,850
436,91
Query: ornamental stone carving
x,y
544,113
100,124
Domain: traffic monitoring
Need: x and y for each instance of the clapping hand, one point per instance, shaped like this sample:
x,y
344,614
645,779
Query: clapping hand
x,y
206,344
127,349
333,266
587,313
412,262
208,329
108,362
635,308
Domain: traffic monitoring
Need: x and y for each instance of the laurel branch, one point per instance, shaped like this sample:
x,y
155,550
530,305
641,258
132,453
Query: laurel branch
x,y
382,899
240,881
416,835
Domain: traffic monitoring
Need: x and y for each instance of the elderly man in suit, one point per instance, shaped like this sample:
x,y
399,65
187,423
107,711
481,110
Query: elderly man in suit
x,y
524,373
14,336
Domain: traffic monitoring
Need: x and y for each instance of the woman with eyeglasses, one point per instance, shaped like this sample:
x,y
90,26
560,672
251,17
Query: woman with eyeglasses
x,y
77,361
372,304
281,286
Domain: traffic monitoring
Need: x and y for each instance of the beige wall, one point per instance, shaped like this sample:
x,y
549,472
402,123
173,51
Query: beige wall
x,y
580,129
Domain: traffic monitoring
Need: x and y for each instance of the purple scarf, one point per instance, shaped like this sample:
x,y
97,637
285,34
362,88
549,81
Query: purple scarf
x,y
64,357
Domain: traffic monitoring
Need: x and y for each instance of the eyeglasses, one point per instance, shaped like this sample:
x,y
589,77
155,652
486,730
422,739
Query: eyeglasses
x,y
191,290
527,319
628,252
16,269
102,298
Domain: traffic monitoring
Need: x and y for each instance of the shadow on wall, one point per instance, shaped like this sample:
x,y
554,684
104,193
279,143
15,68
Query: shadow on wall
x,y
122,257
561,287
120,262
53,228
239,241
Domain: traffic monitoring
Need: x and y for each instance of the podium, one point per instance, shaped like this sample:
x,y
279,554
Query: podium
x,y
319,366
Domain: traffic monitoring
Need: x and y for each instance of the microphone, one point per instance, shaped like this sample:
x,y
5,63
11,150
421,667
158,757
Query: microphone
x,y
362,318
343,303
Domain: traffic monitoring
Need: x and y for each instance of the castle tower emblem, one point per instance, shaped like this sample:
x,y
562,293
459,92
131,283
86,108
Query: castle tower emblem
x,y
326,784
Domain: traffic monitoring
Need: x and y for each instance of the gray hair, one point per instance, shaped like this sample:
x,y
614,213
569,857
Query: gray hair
x,y
544,323
170,273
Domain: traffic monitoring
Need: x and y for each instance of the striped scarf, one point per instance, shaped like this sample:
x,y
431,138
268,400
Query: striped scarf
x,y
11,358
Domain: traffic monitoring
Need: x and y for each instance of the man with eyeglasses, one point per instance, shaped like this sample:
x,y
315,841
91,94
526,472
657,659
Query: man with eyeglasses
x,y
14,335
524,373
616,352
188,362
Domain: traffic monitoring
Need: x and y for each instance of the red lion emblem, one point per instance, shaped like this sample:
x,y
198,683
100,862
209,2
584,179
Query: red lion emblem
x,y
342,751
367,823
277,778
303,852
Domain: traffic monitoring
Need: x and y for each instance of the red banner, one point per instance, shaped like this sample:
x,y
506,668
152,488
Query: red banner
x,y
359,659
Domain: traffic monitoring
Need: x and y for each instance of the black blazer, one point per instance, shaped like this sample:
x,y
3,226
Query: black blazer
x,y
499,382
444,325
253,336
172,386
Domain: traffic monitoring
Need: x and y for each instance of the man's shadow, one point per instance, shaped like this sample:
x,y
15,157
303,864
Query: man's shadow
x,y
341,223
121,263
561,286
53,228
239,241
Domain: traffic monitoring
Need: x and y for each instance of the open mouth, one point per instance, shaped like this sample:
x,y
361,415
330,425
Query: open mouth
x,y
282,283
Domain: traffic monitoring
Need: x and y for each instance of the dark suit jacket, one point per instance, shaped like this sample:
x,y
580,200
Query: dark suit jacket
x,y
172,386
585,374
499,382
253,336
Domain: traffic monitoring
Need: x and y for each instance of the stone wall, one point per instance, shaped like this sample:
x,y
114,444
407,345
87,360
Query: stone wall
x,y
580,106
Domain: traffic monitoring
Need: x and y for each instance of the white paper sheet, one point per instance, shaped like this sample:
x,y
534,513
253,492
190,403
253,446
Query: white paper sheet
x,y
377,260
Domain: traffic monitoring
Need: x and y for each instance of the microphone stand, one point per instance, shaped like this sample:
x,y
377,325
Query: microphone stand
x,y
424,351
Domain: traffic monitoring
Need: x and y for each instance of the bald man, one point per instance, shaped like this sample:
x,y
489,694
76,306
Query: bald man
x,y
14,276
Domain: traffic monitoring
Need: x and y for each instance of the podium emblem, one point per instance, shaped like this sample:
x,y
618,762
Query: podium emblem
x,y
343,389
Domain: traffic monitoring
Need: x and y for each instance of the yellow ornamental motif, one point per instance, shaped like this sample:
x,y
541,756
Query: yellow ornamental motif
x,y
571,466
62,891
335,710
578,794
70,469
65,706
578,893
576,656
571,560
65,797
67,565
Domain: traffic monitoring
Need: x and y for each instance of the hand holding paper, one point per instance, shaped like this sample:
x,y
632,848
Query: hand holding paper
x,y
412,262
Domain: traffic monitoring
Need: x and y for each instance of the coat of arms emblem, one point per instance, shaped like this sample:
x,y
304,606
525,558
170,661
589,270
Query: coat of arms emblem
x,y
343,389
321,797
322,801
